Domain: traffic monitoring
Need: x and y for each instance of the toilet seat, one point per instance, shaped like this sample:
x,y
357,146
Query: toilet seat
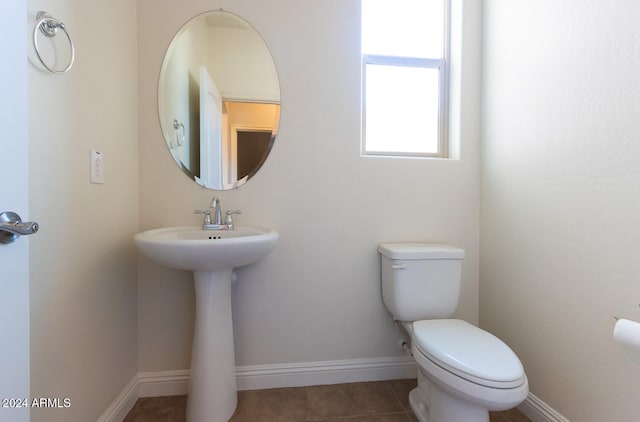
x,y
468,352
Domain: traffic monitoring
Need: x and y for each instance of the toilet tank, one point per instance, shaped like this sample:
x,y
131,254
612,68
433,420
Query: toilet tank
x,y
420,280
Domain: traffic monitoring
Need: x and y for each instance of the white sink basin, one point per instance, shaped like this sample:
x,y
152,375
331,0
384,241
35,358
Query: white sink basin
x,y
191,248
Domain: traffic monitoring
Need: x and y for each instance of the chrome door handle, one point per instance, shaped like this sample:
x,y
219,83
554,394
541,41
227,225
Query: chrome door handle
x,y
12,227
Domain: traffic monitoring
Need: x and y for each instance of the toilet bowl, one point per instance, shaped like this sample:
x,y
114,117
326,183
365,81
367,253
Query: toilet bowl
x,y
464,371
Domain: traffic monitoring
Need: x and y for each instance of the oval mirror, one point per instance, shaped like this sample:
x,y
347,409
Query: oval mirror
x,y
218,100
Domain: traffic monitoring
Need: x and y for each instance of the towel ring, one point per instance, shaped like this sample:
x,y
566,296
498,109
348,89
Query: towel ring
x,y
177,126
49,26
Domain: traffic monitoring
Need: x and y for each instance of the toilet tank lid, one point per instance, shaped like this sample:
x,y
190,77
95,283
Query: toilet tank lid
x,y
420,251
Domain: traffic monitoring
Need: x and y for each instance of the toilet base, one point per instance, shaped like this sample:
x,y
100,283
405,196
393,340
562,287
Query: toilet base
x,y
432,404
418,406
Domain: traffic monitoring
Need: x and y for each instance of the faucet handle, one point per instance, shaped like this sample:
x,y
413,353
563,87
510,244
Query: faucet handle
x,y
207,215
229,220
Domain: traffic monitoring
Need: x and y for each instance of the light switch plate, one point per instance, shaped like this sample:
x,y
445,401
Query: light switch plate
x,y
97,167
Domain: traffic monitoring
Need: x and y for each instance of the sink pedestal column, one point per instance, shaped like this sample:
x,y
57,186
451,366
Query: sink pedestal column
x,y
212,385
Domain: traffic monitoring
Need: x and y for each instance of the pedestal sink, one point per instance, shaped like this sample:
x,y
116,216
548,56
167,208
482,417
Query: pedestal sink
x,y
211,255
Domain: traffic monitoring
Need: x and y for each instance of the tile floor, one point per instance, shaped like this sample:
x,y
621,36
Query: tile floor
x,y
382,401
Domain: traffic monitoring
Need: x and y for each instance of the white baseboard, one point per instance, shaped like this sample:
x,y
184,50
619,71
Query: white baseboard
x,y
257,377
539,411
165,383
122,404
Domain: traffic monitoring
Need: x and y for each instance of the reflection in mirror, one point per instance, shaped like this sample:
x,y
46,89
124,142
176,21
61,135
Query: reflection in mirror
x,y
218,100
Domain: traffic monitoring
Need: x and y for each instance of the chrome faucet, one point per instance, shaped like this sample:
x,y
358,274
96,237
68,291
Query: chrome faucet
x,y
215,223
217,212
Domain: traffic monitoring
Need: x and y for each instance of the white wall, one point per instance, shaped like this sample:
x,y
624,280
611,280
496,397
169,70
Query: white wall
x,y
247,76
561,197
559,200
83,262
317,297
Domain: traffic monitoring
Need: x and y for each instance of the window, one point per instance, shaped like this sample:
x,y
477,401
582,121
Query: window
x,y
405,77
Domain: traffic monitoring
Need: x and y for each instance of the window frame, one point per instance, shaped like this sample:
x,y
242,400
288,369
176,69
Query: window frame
x,y
442,65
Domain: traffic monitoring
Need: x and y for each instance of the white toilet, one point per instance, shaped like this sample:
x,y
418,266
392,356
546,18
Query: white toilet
x,y
464,372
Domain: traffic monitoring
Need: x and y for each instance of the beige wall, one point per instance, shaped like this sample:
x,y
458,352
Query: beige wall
x,y
83,262
317,296
561,197
331,206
